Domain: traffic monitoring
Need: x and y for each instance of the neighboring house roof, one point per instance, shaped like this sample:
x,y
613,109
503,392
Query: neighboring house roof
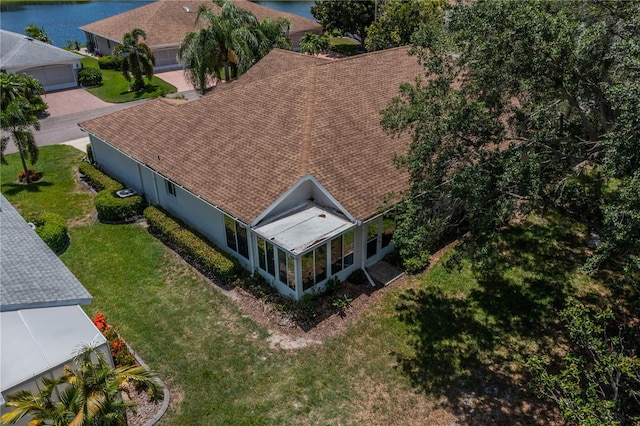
x,y
35,341
242,147
31,275
167,21
19,52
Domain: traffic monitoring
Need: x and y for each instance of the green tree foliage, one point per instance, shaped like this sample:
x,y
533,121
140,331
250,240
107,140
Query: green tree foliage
x,y
598,381
347,16
232,42
37,33
92,394
398,19
137,58
21,105
314,43
522,99
22,86
90,77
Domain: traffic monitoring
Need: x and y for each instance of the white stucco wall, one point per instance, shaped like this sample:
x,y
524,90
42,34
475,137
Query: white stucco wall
x,y
193,210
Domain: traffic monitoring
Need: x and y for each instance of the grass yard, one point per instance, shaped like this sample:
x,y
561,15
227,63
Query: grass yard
x,y
115,88
57,190
440,348
345,46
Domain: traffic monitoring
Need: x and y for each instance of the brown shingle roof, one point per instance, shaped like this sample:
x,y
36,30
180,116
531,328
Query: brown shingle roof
x,y
279,61
243,147
166,22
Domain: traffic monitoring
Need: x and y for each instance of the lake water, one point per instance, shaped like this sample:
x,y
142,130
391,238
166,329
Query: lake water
x,y
61,20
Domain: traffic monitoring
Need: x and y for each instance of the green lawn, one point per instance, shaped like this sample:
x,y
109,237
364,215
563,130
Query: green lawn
x,y
345,46
115,88
413,357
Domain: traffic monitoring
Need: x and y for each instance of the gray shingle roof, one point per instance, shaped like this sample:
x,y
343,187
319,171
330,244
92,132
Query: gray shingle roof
x,y
19,51
31,275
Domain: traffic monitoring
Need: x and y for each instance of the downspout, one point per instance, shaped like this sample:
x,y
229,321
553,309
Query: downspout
x,y
155,187
366,274
140,178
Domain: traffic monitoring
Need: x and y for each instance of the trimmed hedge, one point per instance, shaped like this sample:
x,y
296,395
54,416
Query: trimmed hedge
x,y
110,63
97,179
53,230
88,77
110,207
195,246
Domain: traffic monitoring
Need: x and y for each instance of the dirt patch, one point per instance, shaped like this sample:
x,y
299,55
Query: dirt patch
x,y
289,334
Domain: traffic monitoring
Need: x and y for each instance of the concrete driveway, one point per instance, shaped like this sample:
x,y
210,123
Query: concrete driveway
x,y
72,101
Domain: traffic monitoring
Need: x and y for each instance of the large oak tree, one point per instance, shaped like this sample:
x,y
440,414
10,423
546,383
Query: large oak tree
x,y
525,105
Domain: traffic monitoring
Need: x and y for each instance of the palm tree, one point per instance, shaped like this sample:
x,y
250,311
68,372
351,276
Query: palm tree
x,y
41,406
197,54
100,387
18,121
233,41
37,33
13,86
92,395
314,44
137,58
277,33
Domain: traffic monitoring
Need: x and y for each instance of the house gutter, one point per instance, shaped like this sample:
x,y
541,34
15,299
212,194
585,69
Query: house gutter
x,y
167,178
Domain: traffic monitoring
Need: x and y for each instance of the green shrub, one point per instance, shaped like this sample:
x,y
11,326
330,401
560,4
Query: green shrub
x,y
112,208
332,285
90,77
52,228
358,277
196,247
110,63
307,308
97,179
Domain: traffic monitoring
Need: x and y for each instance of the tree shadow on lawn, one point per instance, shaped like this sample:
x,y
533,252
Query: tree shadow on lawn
x,y
147,89
16,188
469,349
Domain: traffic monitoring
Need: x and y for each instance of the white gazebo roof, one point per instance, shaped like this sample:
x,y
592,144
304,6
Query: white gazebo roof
x,y
304,228
35,341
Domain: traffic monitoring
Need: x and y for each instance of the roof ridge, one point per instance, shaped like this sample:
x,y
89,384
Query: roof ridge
x,y
308,121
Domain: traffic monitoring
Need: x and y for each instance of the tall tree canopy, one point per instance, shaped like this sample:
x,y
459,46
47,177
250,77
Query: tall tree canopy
x,y
314,44
232,42
21,106
347,16
526,104
37,33
137,58
397,20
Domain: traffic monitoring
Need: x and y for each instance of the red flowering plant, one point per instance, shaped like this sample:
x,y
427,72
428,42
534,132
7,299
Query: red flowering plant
x,y
33,176
119,351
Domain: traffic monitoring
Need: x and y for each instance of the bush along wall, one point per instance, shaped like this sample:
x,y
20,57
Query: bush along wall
x,y
53,230
110,207
89,77
192,245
